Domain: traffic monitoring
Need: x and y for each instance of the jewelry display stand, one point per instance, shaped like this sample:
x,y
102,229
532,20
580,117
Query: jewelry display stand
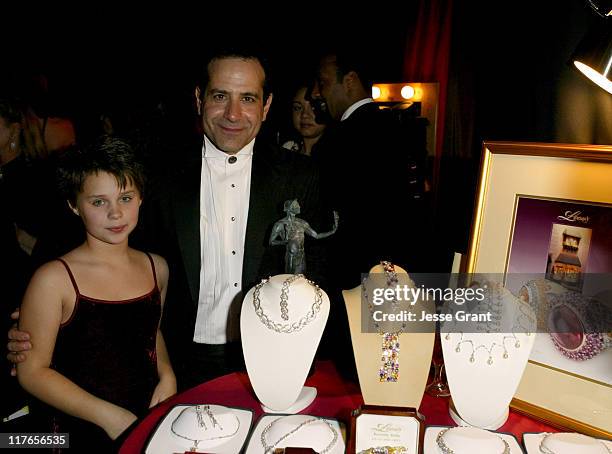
x,y
212,428
415,349
282,321
484,369
452,411
469,440
566,442
323,435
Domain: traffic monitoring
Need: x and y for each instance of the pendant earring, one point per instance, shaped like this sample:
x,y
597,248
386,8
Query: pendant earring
x,y
13,145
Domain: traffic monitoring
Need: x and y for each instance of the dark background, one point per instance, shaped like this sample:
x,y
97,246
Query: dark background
x,y
508,75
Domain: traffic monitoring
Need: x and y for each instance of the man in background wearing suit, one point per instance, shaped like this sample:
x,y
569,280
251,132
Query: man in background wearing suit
x,y
381,198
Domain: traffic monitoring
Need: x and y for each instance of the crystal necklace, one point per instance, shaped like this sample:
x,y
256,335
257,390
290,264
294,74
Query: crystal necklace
x,y
268,448
200,411
509,338
546,450
287,328
488,348
446,450
389,369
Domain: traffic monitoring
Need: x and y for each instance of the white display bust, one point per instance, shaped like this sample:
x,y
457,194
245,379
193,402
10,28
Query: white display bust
x,y
277,361
414,352
485,373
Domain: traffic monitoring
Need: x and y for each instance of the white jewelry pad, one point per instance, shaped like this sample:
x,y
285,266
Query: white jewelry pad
x,y
315,436
532,442
431,447
164,441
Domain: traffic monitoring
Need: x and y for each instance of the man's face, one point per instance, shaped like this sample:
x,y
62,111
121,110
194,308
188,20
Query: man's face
x,y
330,89
233,106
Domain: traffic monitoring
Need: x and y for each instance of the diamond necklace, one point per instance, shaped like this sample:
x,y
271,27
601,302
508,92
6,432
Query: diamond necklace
x,y
446,450
287,328
546,450
506,337
269,448
202,424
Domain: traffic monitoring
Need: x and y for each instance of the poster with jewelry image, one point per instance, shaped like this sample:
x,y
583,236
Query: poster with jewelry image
x,y
201,428
560,244
382,429
546,209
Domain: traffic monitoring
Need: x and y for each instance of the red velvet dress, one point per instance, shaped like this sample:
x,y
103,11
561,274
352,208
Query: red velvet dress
x,y
108,349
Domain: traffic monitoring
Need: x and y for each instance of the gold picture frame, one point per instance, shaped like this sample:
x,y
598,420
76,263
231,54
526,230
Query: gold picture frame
x,y
555,173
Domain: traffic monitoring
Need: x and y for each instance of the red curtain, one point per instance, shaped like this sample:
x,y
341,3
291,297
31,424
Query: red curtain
x,y
427,58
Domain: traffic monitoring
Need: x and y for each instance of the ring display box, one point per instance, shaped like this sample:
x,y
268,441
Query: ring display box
x,y
392,430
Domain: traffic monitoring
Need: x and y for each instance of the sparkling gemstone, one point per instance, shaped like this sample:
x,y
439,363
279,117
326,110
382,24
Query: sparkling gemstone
x,y
490,361
505,355
472,358
458,349
566,328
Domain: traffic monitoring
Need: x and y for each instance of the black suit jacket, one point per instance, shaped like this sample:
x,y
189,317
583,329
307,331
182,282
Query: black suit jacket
x,y
373,169
172,228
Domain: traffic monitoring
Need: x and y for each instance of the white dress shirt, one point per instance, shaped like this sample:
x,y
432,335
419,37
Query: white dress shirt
x,y
224,207
353,107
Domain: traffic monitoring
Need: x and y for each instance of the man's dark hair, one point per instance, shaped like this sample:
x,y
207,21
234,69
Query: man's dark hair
x,y
242,52
351,58
106,154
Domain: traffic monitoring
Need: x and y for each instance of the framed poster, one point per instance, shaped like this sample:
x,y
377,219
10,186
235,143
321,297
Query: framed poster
x,y
547,209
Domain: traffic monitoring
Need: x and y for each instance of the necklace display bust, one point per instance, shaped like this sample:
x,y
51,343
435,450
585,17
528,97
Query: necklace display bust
x,y
406,387
282,321
484,368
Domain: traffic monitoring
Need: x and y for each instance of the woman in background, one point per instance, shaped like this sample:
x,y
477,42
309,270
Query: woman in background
x,y
304,121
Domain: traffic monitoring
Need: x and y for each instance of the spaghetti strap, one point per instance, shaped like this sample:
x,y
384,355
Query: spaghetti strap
x,y
153,268
74,284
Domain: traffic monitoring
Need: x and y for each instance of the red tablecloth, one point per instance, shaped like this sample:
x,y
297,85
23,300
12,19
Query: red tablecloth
x,y
335,398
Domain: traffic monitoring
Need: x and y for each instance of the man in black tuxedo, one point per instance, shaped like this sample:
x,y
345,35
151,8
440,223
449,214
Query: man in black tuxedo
x,y
212,219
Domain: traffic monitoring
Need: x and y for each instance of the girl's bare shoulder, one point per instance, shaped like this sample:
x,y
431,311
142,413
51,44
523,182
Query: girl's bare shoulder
x,y
52,278
160,264
161,268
